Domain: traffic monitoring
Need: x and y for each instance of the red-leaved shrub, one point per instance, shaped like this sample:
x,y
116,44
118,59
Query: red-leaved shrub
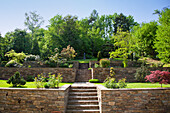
x,y
163,77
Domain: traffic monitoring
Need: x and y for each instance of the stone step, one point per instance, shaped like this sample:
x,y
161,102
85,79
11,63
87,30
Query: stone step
x,y
86,111
83,90
83,87
83,94
85,102
83,98
80,106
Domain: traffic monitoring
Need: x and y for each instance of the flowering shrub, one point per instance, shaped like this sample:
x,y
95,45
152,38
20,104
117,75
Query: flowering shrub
x,y
163,77
68,53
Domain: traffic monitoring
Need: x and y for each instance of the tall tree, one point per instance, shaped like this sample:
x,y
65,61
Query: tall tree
x,y
123,22
33,22
162,43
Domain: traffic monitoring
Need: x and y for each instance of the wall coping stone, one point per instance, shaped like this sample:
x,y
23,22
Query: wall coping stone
x,y
101,87
62,88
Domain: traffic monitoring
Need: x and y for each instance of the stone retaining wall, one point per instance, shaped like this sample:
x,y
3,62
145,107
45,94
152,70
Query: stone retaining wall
x,y
68,74
18,100
72,74
134,100
129,73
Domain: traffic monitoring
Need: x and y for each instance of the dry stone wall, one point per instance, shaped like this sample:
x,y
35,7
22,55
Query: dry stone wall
x,y
134,100
68,74
18,100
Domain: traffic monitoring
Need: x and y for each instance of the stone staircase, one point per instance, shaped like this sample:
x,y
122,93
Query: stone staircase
x,y
83,99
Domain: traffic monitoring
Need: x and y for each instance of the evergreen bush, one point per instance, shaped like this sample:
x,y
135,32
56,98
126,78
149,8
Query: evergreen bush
x,y
16,80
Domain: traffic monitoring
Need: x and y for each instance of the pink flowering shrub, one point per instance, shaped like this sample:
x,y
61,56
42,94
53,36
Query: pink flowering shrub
x,y
163,77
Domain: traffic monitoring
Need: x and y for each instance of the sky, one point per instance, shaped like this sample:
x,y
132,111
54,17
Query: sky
x,y
12,12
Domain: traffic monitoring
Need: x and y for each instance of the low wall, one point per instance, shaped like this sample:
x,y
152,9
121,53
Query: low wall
x,y
20,100
134,100
129,73
68,74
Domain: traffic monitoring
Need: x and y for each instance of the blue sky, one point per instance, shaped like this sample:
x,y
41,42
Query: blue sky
x,y
12,12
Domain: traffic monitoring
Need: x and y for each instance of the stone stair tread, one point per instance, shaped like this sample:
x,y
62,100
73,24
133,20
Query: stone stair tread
x,y
83,101
83,97
83,92
84,105
84,110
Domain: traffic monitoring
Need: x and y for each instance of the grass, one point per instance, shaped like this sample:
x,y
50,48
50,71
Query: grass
x,y
27,85
93,59
143,85
85,60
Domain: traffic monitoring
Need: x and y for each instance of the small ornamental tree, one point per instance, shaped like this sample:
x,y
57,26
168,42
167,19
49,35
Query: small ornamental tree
x,y
163,77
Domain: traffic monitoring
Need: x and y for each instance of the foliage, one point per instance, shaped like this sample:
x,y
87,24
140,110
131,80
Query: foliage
x,y
32,57
110,83
162,42
104,63
94,80
16,80
13,63
54,81
70,66
96,65
30,78
68,53
122,41
122,83
39,80
163,77
18,57
143,38
141,73
99,56
123,22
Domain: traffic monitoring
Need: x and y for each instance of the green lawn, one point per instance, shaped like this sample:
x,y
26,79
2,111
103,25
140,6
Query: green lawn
x,y
27,85
94,59
143,85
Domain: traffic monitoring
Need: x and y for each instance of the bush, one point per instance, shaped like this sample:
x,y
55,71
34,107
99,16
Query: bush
x,y
94,80
30,78
54,81
13,63
122,83
40,81
47,85
104,63
16,80
96,65
163,77
70,66
110,83
141,73
99,56
3,63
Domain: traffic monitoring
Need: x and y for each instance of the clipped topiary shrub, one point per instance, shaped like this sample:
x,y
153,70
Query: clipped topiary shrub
x,y
104,63
94,80
16,80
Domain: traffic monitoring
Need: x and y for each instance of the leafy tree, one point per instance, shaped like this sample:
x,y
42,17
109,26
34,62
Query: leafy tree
x,y
33,22
123,22
163,77
122,42
162,42
143,38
